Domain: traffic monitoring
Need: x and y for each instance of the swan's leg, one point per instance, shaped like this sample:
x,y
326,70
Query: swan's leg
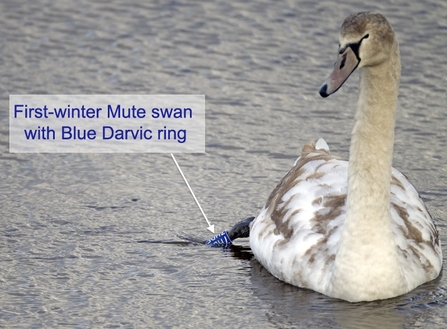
x,y
241,229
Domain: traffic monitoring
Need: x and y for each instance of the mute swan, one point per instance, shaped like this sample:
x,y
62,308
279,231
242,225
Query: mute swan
x,y
362,232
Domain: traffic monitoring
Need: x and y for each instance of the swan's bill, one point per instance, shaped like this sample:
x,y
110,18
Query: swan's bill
x,y
346,64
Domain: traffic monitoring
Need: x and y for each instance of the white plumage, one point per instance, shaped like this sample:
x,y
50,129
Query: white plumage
x,y
359,233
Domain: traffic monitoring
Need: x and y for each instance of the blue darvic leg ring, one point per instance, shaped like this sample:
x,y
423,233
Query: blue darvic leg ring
x,y
220,240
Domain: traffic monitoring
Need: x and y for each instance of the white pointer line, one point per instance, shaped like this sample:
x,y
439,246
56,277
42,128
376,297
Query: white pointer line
x,y
210,227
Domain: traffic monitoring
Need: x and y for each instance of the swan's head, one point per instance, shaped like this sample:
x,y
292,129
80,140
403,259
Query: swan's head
x,y
366,39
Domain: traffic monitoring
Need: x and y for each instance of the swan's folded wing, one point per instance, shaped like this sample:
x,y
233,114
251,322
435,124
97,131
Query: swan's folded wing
x,y
296,234
415,233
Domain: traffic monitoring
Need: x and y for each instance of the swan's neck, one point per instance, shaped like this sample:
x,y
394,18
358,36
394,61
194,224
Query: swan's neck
x,y
367,257
371,150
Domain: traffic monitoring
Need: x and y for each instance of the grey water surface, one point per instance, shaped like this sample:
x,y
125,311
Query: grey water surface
x,y
91,240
